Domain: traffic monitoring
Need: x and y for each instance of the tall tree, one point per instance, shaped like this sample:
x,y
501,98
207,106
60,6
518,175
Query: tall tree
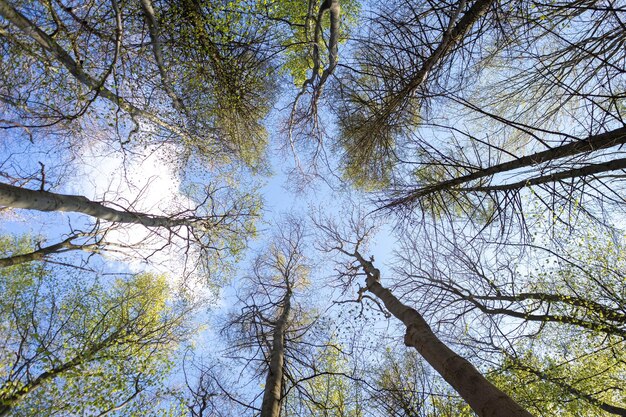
x,y
459,108
211,101
551,309
271,323
484,397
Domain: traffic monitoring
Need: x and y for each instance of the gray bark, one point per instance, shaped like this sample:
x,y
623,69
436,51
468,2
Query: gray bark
x,y
274,381
17,197
481,395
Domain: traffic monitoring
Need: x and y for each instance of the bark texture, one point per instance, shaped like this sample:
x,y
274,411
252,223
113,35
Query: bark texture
x,y
17,197
274,381
484,398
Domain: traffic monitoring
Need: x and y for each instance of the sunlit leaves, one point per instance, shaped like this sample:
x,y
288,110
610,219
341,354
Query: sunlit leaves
x,y
70,345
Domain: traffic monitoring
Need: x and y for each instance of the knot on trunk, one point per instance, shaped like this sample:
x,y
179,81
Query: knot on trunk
x,y
408,336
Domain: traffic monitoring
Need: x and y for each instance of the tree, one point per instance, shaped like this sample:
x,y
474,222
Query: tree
x,y
406,387
271,323
484,398
459,108
203,229
72,346
212,112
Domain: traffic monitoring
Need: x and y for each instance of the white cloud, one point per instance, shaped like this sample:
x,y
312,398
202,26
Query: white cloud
x,y
145,182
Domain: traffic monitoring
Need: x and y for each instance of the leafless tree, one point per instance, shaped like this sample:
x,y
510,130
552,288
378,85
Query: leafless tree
x,y
472,108
484,397
272,322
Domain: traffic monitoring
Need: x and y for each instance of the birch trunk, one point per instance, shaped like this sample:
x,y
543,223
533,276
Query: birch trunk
x,y
17,197
481,395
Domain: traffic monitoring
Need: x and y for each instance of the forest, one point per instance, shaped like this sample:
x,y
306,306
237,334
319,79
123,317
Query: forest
x,y
312,208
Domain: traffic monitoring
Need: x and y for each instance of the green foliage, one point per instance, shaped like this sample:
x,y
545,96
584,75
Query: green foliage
x,y
71,346
566,375
408,388
298,36
225,79
333,392
574,364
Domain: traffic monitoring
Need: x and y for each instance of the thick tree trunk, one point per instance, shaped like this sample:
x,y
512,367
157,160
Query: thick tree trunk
x,y
484,398
274,381
17,197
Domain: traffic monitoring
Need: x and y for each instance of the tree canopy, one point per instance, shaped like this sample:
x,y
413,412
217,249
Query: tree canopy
x,y
312,208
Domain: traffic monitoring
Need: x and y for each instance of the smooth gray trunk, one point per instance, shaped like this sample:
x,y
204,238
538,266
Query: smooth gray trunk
x,y
481,395
274,381
17,197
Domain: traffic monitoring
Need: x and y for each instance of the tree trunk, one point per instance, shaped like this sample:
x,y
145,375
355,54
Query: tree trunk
x,y
17,197
42,253
274,381
481,395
